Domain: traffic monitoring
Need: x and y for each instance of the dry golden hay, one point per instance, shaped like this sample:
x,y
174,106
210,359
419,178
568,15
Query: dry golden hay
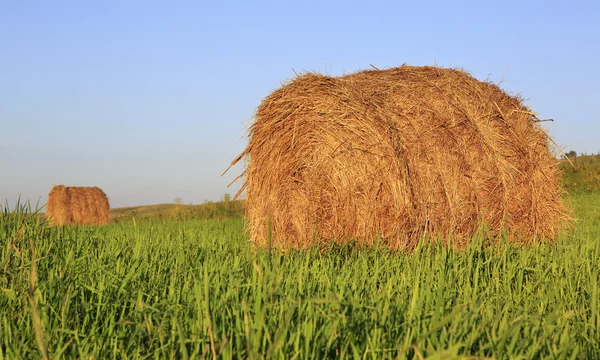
x,y
77,205
396,154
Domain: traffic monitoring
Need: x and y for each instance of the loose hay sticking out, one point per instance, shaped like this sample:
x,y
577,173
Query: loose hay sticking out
x,y
77,205
397,154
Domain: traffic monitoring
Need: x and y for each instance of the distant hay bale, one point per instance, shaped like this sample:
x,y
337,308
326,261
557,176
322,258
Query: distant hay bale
x,y
396,154
77,205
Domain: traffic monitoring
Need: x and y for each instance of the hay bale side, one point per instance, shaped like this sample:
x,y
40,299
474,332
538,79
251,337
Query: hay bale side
x,y
59,206
77,205
397,154
102,209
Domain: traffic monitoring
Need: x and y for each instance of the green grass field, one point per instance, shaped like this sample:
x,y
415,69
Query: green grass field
x,y
209,210
189,289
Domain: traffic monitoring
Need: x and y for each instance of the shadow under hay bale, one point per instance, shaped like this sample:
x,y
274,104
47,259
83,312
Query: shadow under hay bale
x,y
77,205
397,154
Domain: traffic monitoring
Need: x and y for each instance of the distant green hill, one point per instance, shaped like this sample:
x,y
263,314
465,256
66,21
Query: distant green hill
x,y
209,210
583,176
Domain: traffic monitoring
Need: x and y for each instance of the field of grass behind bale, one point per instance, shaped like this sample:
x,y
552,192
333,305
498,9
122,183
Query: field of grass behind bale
x,y
208,210
581,174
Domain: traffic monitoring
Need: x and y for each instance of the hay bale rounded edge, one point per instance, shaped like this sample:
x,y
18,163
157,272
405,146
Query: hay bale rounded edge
x,y
77,205
396,154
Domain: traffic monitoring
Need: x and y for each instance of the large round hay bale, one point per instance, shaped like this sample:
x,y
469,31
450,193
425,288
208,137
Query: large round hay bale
x,y
395,154
77,205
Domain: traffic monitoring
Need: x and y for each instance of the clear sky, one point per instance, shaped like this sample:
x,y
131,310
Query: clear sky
x,y
149,99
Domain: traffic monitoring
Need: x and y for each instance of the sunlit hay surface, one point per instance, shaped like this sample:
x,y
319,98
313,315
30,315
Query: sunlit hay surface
x,y
397,154
77,205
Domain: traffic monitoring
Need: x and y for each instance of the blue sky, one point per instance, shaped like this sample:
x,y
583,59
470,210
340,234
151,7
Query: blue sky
x,y
150,100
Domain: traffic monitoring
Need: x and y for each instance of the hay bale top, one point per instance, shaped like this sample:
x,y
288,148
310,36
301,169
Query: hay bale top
x,y
78,205
398,153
